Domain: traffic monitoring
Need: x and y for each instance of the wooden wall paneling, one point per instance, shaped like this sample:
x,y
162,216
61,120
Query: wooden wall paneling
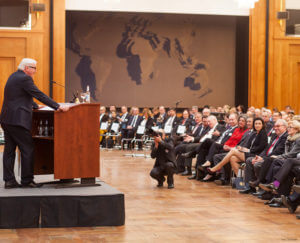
x,y
59,49
12,50
283,56
294,72
34,43
257,54
7,66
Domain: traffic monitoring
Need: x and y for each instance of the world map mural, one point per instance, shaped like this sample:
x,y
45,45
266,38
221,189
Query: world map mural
x,y
151,59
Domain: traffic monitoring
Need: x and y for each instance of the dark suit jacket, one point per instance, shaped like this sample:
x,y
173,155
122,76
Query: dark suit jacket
x,y
226,135
149,123
278,147
104,118
269,126
174,123
244,141
138,122
164,153
124,123
257,143
18,100
219,128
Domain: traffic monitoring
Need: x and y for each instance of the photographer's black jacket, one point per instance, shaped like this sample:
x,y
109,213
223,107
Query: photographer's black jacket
x,y
164,153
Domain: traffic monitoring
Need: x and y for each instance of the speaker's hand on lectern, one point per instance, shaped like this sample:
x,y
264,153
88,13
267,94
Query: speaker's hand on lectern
x,y
63,108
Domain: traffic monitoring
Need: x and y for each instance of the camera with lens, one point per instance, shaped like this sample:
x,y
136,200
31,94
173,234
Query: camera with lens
x,y
155,132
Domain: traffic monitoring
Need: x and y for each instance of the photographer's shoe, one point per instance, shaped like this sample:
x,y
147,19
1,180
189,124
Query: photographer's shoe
x,y
170,186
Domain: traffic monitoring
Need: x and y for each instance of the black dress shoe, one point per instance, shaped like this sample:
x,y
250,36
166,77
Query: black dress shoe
x,y
298,216
160,184
266,196
186,173
292,207
11,184
248,191
187,155
273,200
254,183
276,205
32,184
209,178
268,187
170,186
222,182
259,193
193,177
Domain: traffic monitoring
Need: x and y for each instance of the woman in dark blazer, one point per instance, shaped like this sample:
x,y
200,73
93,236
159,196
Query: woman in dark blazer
x,y
148,123
256,144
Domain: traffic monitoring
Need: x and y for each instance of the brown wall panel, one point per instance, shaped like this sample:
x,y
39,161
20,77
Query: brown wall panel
x,y
7,66
59,46
35,43
257,54
283,60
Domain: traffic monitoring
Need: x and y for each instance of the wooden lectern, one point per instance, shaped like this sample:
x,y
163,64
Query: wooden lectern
x,y
69,146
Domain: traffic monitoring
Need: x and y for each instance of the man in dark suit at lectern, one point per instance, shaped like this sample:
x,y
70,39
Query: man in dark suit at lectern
x,y
15,119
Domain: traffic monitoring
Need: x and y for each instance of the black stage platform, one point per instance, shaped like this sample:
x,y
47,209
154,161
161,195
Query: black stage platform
x,y
67,207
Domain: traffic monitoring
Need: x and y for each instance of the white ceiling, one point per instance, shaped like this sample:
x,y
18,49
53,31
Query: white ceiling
x,y
211,7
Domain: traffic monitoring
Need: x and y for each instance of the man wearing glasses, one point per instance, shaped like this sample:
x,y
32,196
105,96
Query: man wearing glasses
x,y
15,119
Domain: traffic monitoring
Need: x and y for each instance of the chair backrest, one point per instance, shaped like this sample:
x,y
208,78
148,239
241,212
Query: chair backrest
x,y
115,127
181,129
141,130
104,126
168,129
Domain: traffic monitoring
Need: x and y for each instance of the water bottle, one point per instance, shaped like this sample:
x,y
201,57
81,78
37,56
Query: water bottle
x,y
40,128
46,129
88,95
51,131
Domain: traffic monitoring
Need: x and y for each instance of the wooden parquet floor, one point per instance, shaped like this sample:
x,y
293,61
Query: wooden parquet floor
x,y
192,212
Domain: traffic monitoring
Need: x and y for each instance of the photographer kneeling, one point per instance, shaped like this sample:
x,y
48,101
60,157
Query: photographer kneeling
x,y
163,151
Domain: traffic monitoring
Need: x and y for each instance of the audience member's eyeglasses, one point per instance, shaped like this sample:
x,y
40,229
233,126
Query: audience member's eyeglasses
x,y
32,67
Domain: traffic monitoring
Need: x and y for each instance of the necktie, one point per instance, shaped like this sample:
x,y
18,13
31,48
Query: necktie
x,y
195,129
133,121
272,146
169,123
270,132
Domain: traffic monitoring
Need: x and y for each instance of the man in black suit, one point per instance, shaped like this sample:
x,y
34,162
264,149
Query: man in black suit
x,y
123,120
16,118
103,119
160,120
214,132
103,116
210,147
253,164
171,123
163,152
133,122
199,130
